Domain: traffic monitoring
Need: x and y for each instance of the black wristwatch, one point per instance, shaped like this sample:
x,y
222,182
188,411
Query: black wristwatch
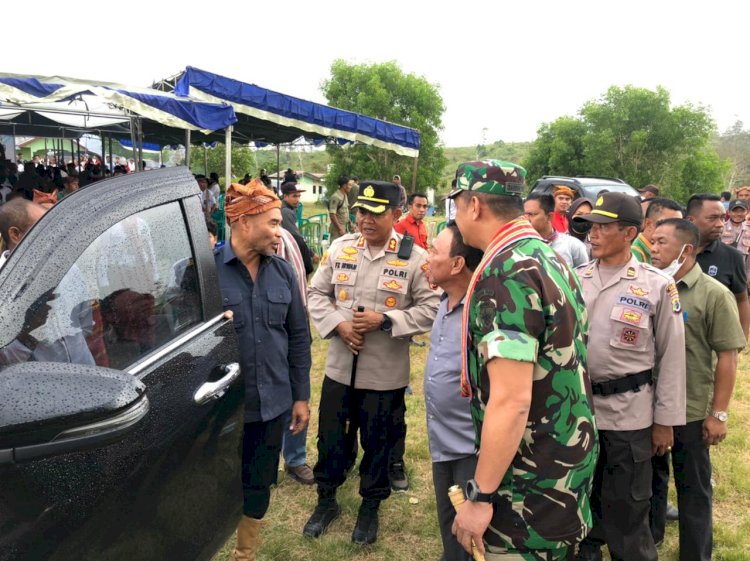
x,y
474,495
386,324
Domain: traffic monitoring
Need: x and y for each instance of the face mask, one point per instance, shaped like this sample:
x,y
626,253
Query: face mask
x,y
675,265
580,228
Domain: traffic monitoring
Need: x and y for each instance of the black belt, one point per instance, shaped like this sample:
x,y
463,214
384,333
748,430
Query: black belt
x,y
629,383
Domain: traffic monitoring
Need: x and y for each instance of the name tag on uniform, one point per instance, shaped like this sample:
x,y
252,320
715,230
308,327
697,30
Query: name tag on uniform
x,y
635,302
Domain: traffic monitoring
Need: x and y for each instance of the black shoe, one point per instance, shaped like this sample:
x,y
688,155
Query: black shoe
x,y
366,529
324,514
588,552
673,515
399,482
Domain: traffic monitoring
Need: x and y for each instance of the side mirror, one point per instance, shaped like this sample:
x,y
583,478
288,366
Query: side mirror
x,y
49,408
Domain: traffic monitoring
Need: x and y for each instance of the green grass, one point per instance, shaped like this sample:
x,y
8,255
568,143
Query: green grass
x,y
408,521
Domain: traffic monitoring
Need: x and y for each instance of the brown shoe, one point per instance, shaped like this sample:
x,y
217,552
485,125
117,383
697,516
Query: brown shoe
x,y
302,474
247,539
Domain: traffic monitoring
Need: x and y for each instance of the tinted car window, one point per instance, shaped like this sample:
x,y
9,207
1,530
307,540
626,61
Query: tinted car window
x,y
132,290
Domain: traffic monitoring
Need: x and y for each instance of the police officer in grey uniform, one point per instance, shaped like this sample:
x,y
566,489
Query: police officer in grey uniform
x,y
636,331
367,369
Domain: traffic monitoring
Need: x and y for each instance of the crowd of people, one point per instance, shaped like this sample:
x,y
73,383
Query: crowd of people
x,y
578,349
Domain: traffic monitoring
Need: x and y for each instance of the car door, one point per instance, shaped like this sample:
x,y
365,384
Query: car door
x,y
121,400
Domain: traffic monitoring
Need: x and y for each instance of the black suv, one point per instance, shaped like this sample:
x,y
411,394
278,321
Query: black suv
x,y
121,400
588,187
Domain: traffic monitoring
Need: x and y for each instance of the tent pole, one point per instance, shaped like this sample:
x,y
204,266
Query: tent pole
x,y
111,159
228,157
72,151
133,142
278,170
205,159
78,161
139,121
45,152
414,175
227,173
187,148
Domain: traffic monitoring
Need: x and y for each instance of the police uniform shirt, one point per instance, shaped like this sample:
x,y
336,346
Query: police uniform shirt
x,y
738,236
350,275
635,324
725,264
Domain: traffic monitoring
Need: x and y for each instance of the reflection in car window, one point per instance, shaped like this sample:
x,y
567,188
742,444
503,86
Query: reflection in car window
x,y
131,291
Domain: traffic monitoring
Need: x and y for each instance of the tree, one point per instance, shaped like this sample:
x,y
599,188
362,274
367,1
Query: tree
x,y
634,134
244,160
383,91
734,145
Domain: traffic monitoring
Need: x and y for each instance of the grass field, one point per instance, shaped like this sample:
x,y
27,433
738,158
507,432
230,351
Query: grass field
x,y
408,523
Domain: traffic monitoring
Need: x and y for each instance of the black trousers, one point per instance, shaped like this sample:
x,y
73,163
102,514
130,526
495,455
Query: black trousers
x,y
445,475
620,499
399,448
659,490
691,464
374,412
261,445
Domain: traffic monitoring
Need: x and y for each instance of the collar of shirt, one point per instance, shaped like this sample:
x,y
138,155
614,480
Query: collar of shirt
x,y
444,296
229,255
644,241
692,276
710,248
409,218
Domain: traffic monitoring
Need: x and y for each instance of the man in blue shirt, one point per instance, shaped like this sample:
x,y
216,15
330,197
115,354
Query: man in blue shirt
x,y
449,424
270,319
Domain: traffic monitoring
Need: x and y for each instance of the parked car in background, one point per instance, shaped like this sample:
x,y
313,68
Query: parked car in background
x,y
121,400
588,187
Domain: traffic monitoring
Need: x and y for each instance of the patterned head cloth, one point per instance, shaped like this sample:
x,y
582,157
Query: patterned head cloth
x,y
253,198
40,197
563,190
494,177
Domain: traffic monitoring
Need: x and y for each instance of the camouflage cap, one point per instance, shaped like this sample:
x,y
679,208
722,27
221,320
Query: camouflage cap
x,y
494,177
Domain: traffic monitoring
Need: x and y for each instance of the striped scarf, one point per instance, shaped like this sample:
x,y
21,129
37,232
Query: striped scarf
x,y
512,232
290,253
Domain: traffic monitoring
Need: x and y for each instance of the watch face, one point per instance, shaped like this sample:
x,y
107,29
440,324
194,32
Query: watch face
x,y
722,416
471,490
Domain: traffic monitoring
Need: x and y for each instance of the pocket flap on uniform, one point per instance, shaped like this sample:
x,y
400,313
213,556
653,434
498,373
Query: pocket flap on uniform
x,y
231,298
632,315
279,295
391,284
641,449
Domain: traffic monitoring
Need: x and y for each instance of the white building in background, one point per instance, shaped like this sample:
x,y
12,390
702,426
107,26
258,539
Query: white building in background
x,y
313,184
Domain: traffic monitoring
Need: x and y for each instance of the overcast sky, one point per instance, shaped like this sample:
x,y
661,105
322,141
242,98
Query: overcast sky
x,y
504,66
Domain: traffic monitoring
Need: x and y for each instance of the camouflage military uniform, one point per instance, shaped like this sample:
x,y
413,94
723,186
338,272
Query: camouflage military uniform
x,y
527,306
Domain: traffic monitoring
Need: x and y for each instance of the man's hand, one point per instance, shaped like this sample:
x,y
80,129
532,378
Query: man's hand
x,y
714,431
228,314
300,416
353,340
471,523
662,439
367,321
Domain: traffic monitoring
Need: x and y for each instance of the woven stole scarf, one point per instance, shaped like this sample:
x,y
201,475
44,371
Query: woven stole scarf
x,y
516,230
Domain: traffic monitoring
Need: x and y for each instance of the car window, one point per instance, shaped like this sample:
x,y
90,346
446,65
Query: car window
x,y
131,291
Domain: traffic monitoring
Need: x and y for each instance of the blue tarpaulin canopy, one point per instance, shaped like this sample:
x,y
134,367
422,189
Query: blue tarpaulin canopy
x,y
100,105
269,116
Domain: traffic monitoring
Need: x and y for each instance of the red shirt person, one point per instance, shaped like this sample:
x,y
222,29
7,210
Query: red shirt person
x,y
413,224
564,196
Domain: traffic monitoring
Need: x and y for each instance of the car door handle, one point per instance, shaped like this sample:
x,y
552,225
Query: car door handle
x,y
214,390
